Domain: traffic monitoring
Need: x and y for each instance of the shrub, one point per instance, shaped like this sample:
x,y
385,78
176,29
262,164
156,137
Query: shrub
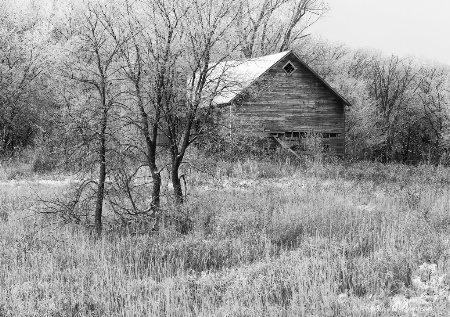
x,y
16,170
43,163
4,216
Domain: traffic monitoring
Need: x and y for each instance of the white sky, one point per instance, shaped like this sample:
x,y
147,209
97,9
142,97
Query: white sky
x,y
403,27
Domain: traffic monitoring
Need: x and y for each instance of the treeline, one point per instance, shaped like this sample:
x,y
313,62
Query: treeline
x,y
26,96
400,105
399,109
35,41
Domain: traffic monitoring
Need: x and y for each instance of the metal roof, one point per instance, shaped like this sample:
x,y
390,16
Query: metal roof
x,y
226,80
232,77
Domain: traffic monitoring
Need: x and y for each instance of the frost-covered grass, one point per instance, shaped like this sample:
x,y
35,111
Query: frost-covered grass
x,y
268,240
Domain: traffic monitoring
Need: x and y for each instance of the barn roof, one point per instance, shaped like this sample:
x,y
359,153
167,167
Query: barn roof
x,y
231,78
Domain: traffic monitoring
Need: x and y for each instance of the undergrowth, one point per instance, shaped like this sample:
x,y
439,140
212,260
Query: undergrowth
x,y
269,239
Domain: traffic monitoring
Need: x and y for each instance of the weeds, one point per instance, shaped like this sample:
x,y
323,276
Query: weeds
x,y
266,240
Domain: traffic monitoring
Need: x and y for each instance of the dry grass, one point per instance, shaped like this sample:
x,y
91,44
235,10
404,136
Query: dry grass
x,y
268,240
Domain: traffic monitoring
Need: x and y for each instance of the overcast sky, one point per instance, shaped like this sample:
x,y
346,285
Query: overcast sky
x,y
403,27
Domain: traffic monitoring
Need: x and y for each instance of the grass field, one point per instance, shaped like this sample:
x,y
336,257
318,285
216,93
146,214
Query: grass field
x,y
268,240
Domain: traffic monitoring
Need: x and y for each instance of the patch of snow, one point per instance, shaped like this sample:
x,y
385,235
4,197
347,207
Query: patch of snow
x,y
228,79
47,182
366,207
399,303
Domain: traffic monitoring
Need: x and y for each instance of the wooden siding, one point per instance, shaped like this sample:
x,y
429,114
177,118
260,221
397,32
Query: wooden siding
x,y
296,102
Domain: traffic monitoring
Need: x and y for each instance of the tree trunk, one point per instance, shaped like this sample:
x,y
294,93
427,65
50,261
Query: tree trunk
x,y
100,195
151,152
156,191
102,174
406,155
176,182
151,161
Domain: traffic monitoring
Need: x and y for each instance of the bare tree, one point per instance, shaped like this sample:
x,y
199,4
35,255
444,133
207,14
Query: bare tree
x,y
148,61
162,41
206,42
275,25
326,58
92,65
392,84
434,94
137,59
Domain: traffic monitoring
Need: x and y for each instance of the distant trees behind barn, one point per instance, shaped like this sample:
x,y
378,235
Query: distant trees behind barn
x,y
400,106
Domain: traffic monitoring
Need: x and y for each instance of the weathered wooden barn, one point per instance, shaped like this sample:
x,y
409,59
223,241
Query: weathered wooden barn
x,y
283,96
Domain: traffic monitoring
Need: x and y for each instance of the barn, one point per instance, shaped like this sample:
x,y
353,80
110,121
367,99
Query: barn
x,y
284,97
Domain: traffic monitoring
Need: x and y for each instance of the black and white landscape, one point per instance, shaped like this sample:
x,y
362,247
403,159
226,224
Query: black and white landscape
x,y
222,158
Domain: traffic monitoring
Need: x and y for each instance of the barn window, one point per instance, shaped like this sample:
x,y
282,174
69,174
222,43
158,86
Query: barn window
x,y
279,135
289,68
296,135
335,135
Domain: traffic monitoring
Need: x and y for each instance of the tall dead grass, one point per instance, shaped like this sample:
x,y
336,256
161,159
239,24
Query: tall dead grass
x,y
268,240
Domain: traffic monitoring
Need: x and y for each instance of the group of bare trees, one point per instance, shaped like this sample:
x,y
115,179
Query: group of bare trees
x,y
133,72
400,106
129,61
22,88
267,26
101,82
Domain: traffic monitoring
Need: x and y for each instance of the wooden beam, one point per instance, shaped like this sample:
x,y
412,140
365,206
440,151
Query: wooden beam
x,y
286,147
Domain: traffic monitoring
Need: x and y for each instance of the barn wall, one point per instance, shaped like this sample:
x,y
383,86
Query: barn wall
x,y
296,102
